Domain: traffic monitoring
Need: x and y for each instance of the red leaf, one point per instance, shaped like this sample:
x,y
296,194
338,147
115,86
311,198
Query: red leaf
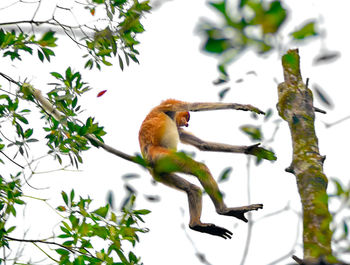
x,y
101,93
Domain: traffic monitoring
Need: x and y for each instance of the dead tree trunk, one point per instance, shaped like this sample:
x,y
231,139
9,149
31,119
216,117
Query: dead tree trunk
x,y
295,106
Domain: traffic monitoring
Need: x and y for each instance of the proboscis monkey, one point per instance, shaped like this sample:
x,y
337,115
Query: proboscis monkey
x,y
159,135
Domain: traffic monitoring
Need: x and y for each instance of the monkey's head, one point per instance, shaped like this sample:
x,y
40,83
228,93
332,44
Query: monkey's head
x,y
182,118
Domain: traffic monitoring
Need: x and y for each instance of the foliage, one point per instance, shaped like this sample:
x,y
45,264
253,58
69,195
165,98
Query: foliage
x,y
10,198
82,229
111,32
12,43
255,133
340,196
249,24
81,226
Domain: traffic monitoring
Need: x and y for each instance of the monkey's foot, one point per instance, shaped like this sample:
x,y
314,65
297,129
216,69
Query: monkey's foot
x,y
239,212
212,230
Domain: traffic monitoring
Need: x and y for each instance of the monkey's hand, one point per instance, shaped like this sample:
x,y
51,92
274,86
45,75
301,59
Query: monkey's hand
x,y
212,230
239,212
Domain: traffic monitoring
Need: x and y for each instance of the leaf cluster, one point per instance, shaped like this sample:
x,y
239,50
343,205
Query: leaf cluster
x,y
117,39
11,114
341,220
12,43
67,136
83,228
10,197
249,24
255,133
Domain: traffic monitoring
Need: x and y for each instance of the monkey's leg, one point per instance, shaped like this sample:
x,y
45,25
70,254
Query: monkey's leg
x,y
194,195
178,162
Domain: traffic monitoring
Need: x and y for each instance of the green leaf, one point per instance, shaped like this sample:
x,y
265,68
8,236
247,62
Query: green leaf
x,y
273,17
254,132
217,45
21,118
220,6
28,133
74,102
57,75
47,52
72,195
62,252
10,229
268,114
121,63
48,39
345,228
142,211
132,257
41,56
223,92
102,211
261,153
305,31
322,96
104,52
225,174
340,190
65,197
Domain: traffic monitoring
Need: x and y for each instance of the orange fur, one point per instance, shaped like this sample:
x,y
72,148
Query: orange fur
x,y
158,133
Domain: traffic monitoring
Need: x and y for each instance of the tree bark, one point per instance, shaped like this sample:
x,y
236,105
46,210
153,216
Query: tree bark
x,y
295,106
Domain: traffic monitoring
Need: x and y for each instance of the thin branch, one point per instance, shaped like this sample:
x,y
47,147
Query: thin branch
x,y
328,125
199,255
36,10
277,212
250,223
8,78
111,149
43,241
292,251
43,251
12,160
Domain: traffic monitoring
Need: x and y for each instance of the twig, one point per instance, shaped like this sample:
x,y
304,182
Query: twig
x,y
297,260
43,251
320,110
12,160
328,125
250,223
292,251
40,241
34,241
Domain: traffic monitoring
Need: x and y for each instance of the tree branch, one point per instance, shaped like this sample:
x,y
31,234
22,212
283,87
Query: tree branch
x,y
52,110
295,106
43,241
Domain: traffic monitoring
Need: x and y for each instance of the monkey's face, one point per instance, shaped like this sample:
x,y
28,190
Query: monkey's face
x,y
182,118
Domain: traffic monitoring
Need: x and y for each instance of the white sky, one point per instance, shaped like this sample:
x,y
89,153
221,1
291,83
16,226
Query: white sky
x,y
171,66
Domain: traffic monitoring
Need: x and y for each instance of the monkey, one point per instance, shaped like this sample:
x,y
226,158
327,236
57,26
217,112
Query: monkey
x,y
159,135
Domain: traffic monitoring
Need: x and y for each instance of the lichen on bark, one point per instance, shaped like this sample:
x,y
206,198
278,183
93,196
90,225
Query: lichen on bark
x,y
295,106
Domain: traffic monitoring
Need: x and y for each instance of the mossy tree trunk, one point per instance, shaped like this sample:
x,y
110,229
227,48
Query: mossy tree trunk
x,y
295,106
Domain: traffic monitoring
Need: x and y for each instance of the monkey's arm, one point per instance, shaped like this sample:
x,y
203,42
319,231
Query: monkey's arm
x,y
188,138
198,106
